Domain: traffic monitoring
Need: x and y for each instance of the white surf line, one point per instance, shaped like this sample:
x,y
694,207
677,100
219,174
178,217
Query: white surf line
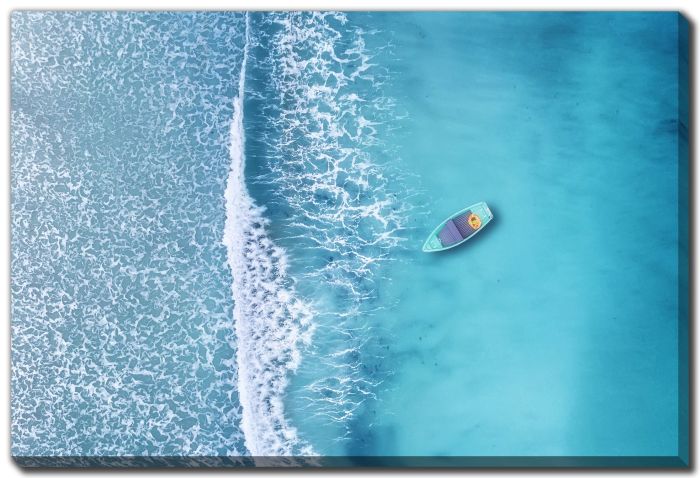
x,y
270,321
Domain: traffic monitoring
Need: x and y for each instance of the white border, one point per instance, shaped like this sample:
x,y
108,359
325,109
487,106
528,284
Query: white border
x,y
690,9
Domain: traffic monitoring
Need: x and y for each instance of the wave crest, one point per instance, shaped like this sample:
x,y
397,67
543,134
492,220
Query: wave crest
x,y
335,195
270,320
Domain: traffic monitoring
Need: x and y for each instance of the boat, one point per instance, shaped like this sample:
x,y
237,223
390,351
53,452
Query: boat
x,y
458,228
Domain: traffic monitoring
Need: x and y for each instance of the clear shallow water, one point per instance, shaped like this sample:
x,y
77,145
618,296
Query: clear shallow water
x,y
555,331
213,263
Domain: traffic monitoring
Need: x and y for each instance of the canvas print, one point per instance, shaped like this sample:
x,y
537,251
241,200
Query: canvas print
x,y
336,239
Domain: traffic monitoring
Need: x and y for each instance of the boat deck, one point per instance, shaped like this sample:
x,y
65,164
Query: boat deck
x,y
456,230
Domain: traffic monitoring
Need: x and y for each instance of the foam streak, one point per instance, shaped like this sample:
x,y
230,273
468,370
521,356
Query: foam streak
x,y
270,321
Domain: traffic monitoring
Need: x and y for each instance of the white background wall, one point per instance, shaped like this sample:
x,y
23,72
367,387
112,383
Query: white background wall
x,y
691,9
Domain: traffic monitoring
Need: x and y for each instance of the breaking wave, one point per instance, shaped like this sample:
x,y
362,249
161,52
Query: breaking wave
x,y
270,320
335,200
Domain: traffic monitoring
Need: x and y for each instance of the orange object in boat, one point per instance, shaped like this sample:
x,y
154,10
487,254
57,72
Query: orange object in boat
x,y
474,221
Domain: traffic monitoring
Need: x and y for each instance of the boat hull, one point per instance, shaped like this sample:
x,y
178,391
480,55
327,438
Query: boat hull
x,y
458,228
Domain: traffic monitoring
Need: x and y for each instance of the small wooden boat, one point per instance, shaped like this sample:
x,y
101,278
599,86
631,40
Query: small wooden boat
x,y
458,228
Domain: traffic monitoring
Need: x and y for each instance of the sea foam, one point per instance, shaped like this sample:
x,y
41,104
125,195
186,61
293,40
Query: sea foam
x,y
271,321
336,194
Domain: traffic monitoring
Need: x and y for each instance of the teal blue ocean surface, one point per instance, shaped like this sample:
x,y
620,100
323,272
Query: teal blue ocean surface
x,y
217,221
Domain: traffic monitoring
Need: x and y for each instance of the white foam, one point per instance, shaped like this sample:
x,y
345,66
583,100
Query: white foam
x,y
328,111
271,322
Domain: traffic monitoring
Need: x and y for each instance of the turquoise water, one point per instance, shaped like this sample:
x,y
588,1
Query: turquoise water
x,y
218,220
554,333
